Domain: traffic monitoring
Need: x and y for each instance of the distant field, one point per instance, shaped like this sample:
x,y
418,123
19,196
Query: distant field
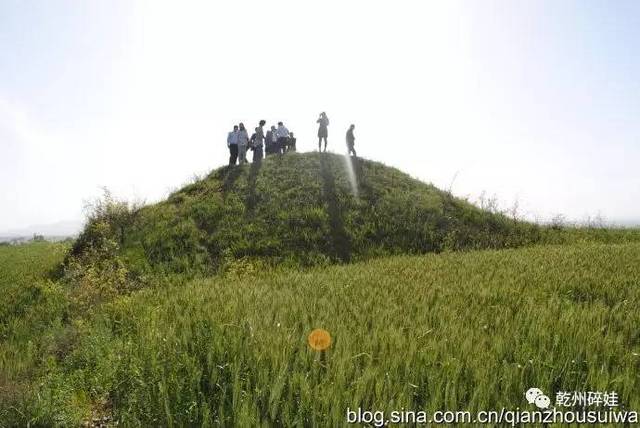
x,y
31,310
451,331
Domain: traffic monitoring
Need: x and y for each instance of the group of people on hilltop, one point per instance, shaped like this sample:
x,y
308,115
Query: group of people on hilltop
x,y
276,140
279,140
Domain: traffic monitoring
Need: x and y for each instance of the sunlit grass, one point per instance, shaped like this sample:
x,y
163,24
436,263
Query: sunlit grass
x,y
31,328
453,331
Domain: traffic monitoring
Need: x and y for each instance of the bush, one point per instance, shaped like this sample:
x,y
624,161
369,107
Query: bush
x,y
94,268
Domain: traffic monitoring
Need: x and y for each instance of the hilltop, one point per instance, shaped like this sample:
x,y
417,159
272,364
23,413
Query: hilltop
x,y
299,210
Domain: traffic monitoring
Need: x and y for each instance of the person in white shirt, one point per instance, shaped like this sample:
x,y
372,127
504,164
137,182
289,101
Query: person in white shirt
x,y
283,137
232,143
243,141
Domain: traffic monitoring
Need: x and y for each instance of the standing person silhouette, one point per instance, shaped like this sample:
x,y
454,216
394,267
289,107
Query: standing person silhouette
x,y
351,140
243,141
269,141
258,142
323,131
292,143
232,143
283,137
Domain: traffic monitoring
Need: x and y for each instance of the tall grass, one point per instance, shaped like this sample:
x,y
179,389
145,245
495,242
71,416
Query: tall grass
x,y
32,310
452,331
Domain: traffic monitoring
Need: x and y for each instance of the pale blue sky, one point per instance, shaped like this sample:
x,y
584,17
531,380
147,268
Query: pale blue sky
x,y
535,101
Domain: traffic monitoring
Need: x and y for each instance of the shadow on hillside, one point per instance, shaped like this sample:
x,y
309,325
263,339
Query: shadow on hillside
x,y
252,197
340,239
229,175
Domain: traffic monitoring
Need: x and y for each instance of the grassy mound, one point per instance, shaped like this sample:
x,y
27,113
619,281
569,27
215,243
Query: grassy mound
x,y
301,210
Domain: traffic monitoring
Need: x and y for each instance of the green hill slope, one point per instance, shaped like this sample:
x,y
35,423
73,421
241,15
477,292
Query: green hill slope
x,y
302,210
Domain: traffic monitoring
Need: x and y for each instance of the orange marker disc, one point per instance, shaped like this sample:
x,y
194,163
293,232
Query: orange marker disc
x,y
319,339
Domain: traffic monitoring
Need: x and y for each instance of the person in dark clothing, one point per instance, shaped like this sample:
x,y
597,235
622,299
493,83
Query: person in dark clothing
x,y
291,146
258,142
323,131
232,143
351,140
270,141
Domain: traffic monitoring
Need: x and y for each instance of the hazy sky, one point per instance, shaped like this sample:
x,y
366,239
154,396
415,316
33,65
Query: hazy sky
x,y
535,101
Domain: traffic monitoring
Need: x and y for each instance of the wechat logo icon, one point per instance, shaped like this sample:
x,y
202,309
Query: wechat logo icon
x,y
537,397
